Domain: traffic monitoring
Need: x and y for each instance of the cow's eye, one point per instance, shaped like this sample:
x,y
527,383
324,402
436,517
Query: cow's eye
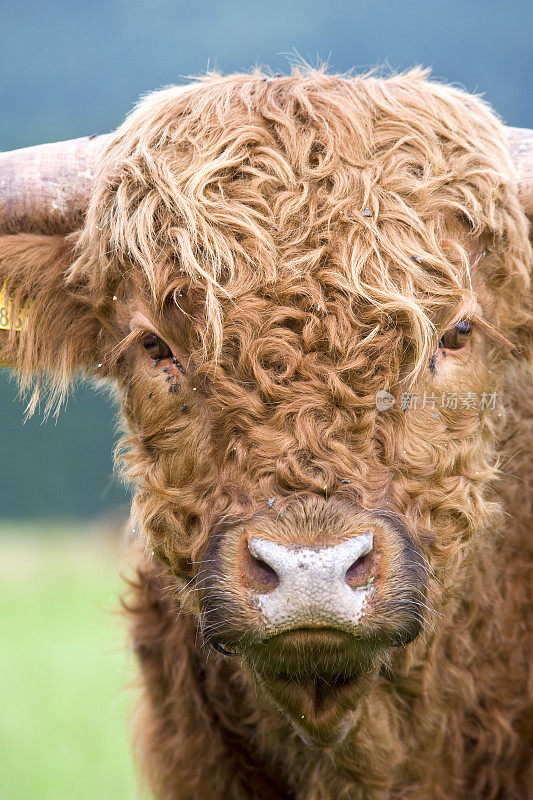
x,y
156,347
456,337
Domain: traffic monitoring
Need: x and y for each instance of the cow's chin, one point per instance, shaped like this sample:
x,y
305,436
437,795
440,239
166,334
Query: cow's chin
x,y
317,678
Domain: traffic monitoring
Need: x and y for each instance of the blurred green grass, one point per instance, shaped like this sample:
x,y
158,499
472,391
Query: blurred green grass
x,y
64,668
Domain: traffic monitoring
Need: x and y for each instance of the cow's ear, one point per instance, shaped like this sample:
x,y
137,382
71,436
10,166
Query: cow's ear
x,y
48,323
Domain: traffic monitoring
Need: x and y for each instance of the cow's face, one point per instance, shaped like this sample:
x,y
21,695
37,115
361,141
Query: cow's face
x,y
311,372
309,291
311,527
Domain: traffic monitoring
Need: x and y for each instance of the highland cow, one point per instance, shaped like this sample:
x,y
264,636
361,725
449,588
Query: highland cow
x,y
333,596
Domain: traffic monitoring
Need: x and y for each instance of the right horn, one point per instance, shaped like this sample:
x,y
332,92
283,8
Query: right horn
x,y
46,188
521,147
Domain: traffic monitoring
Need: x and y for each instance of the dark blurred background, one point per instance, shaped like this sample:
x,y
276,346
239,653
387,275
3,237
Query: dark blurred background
x,y
70,68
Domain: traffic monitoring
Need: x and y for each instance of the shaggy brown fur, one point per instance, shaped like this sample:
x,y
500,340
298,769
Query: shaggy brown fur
x,y
302,243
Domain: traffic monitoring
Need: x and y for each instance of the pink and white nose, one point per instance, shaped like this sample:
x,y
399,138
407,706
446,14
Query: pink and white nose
x,y
296,587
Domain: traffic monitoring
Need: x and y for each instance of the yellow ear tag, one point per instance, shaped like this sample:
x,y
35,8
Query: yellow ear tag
x,y
7,321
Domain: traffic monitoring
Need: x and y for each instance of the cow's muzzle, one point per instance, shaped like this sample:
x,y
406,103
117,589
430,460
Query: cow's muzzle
x,y
313,599
323,565
309,587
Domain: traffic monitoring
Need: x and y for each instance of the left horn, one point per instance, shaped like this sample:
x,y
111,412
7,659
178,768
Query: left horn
x,y
46,188
521,147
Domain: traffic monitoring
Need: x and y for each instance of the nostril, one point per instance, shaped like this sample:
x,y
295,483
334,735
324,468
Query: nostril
x,y
259,576
265,573
361,572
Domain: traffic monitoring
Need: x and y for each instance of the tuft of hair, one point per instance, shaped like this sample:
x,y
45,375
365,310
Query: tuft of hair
x,y
241,181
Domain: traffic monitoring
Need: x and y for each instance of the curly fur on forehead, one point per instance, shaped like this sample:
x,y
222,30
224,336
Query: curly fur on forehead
x,y
245,182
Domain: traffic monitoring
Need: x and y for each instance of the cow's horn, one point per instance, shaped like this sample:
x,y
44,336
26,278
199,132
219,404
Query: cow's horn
x,y
521,146
45,189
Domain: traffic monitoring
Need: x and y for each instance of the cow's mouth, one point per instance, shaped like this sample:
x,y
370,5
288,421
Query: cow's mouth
x,y
321,679
323,708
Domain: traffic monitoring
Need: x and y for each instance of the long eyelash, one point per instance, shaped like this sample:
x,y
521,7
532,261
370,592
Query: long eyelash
x,y
490,331
131,338
118,350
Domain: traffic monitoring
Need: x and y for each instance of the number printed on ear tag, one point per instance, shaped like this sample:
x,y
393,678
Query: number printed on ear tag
x,y
8,321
